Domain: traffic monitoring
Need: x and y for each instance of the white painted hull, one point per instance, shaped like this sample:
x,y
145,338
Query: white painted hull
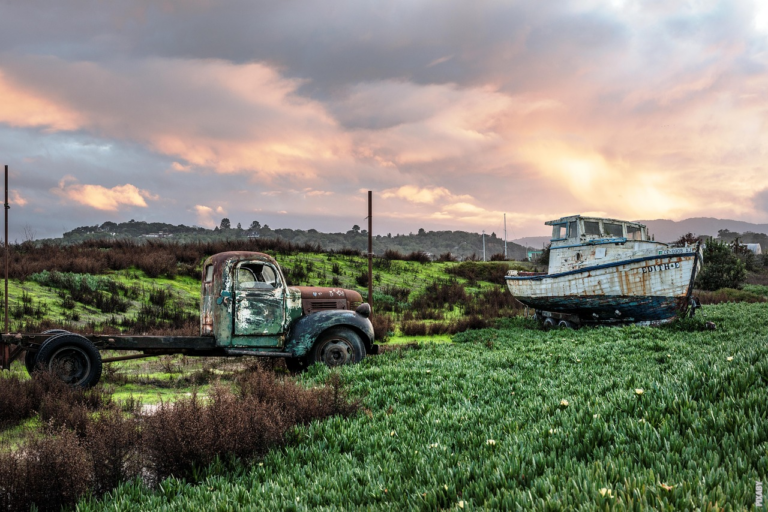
x,y
647,286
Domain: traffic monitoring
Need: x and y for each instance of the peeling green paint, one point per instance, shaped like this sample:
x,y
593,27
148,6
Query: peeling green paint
x,y
268,317
307,329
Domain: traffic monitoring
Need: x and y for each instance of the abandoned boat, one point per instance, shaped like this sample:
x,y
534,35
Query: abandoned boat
x,y
608,271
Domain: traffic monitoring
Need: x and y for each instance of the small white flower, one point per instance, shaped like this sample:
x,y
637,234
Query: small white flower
x,y
461,504
490,442
564,402
729,358
639,391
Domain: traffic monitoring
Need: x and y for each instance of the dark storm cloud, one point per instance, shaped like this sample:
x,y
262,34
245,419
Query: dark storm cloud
x,y
332,43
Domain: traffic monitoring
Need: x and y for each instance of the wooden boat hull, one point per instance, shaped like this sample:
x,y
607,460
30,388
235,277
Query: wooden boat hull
x,y
645,288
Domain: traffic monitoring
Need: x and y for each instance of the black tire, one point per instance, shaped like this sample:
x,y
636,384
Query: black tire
x,y
337,347
30,356
73,358
564,324
549,323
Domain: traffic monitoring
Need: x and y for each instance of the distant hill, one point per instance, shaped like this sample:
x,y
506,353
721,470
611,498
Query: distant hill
x,y
670,230
537,242
460,244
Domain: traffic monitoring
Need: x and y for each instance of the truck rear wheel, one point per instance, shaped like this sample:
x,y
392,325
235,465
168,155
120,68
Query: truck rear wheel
x,y
72,358
30,356
337,347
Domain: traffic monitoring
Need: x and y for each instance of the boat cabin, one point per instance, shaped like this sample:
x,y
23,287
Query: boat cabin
x,y
578,229
578,241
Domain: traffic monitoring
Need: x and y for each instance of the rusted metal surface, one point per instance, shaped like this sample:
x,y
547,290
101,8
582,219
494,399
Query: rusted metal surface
x,y
261,317
603,277
316,298
306,330
106,342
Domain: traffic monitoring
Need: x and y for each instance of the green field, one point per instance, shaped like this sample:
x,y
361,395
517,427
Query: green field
x,y
518,418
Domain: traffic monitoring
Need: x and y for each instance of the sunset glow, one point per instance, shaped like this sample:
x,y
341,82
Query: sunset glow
x,y
452,116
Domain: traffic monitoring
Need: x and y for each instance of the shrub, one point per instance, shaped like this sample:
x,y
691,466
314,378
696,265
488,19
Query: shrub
x,y
446,257
722,268
493,272
51,472
729,295
383,325
185,435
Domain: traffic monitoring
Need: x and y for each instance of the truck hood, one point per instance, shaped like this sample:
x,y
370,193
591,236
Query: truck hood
x,y
320,292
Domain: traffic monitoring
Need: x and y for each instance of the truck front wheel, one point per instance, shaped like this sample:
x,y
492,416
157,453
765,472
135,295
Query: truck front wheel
x,y
72,358
337,347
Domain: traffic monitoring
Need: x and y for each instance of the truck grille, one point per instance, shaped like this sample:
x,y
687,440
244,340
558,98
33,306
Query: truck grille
x,y
311,306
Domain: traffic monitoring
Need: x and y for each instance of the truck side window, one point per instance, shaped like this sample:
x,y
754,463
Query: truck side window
x,y
246,279
270,276
209,273
252,276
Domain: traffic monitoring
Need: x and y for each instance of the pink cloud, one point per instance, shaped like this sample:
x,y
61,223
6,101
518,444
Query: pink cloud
x,y
102,198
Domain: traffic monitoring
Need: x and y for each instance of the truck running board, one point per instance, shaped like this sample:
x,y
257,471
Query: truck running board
x,y
257,353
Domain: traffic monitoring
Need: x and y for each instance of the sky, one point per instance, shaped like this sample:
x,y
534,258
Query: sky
x,y
453,113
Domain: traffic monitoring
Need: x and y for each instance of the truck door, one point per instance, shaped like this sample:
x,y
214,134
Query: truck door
x,y
259,305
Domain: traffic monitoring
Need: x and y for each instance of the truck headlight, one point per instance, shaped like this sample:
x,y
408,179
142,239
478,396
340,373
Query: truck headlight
x,y
364,310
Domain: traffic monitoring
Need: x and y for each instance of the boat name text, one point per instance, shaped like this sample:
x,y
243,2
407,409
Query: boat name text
x,y
659,268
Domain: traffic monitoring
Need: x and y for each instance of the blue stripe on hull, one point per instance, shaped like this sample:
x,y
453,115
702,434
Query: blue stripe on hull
x,y
632,309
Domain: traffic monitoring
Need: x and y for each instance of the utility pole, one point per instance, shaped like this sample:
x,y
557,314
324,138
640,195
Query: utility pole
x,y
370,249
6,349
483,245
505,236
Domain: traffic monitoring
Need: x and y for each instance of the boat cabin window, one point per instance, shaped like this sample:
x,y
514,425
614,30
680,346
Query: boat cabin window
x,y
613,230
634,233
558,231
572,229
592,227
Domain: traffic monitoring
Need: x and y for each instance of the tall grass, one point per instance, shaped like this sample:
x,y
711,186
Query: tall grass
x,y
80,453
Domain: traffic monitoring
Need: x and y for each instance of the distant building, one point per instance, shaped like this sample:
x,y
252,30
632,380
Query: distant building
x,y
161,234
754,248
534,254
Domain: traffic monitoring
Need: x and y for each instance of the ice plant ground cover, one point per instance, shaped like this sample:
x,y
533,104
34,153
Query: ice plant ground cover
x,y
661,418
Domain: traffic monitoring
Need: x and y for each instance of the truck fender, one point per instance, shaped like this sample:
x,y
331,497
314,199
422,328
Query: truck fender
x,y
307,329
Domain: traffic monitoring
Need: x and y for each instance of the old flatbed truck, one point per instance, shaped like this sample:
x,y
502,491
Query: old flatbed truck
x,y
246,309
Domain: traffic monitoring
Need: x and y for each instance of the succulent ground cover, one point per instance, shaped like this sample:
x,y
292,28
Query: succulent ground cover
x,y
518,418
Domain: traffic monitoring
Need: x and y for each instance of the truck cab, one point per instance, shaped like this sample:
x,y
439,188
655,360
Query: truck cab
x,y
247,305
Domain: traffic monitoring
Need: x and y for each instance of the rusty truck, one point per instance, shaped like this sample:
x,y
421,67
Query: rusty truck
x,y
246,309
